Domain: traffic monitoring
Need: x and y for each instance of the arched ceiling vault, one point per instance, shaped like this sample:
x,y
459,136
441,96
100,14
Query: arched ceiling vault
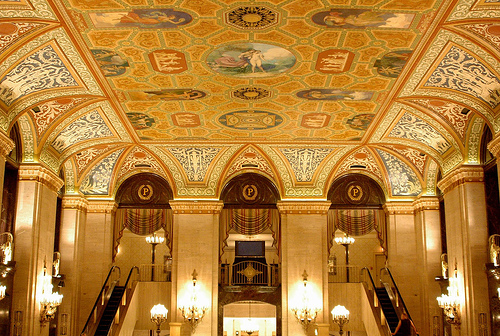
x,y
301,92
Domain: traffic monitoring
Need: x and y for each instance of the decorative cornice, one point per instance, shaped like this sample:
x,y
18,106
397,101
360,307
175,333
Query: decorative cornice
x,y
104,206
459,176
75,202
40,174
399,208
426,203
494,147
303,207
196,207
6,145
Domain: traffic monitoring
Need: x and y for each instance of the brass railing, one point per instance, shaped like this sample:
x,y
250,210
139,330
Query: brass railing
x,y
250,273
343,273
156,273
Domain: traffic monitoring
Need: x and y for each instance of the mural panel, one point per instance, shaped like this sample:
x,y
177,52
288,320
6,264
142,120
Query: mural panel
x,y
361,18
334,61
334,94
250,120
404,181
110,62
98,179
141,18
168,61
391,64
168,94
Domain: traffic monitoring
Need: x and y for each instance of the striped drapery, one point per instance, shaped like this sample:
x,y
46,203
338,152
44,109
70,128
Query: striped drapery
x,y
357,222
249,222
142,222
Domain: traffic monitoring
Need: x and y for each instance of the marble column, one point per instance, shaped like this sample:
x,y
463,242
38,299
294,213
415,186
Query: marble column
x,y
467,242
6,146
196,247
402,258
33,244
97,255
304,248
71,241
428,235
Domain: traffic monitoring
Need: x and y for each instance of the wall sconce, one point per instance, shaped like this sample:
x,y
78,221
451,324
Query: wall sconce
x,y
193,311
340,316
2,292
450,303
305,312
49,301
6,247
158,316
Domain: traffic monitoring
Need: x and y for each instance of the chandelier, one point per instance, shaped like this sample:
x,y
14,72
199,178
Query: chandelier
x,y
340,316
304,311
49,301
249,326
344,240
450,303
193,311
158,316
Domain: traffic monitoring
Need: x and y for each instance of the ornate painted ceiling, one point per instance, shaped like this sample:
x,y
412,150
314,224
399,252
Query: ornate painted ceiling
x,y
301,91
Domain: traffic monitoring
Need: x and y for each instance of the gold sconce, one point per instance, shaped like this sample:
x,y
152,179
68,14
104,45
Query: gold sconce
x,y
192,310
2,292
340,315
158,316
450,303
49,301
304,311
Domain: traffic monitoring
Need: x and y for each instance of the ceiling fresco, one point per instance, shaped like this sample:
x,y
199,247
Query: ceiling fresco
x,y
302,92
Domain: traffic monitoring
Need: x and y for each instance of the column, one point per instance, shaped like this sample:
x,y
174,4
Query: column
x,y
494,148
467,242
6,146
97,255
428,234
304,248
196,247
33,243
402,255
71,241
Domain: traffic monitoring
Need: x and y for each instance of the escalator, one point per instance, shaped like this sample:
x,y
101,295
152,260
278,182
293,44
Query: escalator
x,y
110,311
385,302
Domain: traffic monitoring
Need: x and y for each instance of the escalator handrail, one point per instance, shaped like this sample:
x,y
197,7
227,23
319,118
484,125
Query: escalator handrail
x,y
367,270
96,304
397,289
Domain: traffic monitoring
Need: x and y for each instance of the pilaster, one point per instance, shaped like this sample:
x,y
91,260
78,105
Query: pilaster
x,y
428,250
304,248
71,241
33,242
196,247
6,146
467,242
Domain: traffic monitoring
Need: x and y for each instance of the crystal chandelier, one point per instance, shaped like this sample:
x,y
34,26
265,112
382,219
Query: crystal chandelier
x,y
49,301
450,303
193,311
304,311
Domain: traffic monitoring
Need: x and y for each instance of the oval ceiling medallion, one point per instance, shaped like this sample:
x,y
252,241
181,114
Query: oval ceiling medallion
x,y
251,93
250,60
250,120
251,17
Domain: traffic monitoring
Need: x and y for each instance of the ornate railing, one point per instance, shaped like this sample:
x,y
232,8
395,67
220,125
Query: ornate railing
x,y
250,273
343,273
112,280
155,272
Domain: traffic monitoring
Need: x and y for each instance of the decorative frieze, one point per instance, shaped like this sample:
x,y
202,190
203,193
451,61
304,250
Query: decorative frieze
x,y
196,207
104,206
494,147
75,202
460,176
304,207
40,174
426,203
399,208
6,145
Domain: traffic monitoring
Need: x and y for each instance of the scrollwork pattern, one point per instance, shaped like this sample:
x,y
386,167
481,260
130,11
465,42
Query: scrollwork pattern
x,y
404,181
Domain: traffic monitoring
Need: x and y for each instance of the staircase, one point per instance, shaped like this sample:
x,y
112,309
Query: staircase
x,y
110,311
387,307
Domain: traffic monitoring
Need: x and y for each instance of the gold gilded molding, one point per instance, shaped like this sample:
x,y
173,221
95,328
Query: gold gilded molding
x,y
75,202
104,206
40,174
304,207
399,208
460,176
196,207
426,203
494,147
6,145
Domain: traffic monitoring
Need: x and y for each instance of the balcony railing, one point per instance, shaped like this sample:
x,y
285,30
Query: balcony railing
x,y
344,273
156,272
250,273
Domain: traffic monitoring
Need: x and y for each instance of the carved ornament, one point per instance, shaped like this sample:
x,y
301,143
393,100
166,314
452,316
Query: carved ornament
x,y
6,145
74,202
104,206
426,203
196,207
40,174
461,176
399,208
304,207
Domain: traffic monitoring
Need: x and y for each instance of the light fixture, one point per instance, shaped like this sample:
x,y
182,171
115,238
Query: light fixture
x,y
158,316
304,311
6,247
345,241
193,311
49,301
340,316
249,326
3,288
153,240
450,303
